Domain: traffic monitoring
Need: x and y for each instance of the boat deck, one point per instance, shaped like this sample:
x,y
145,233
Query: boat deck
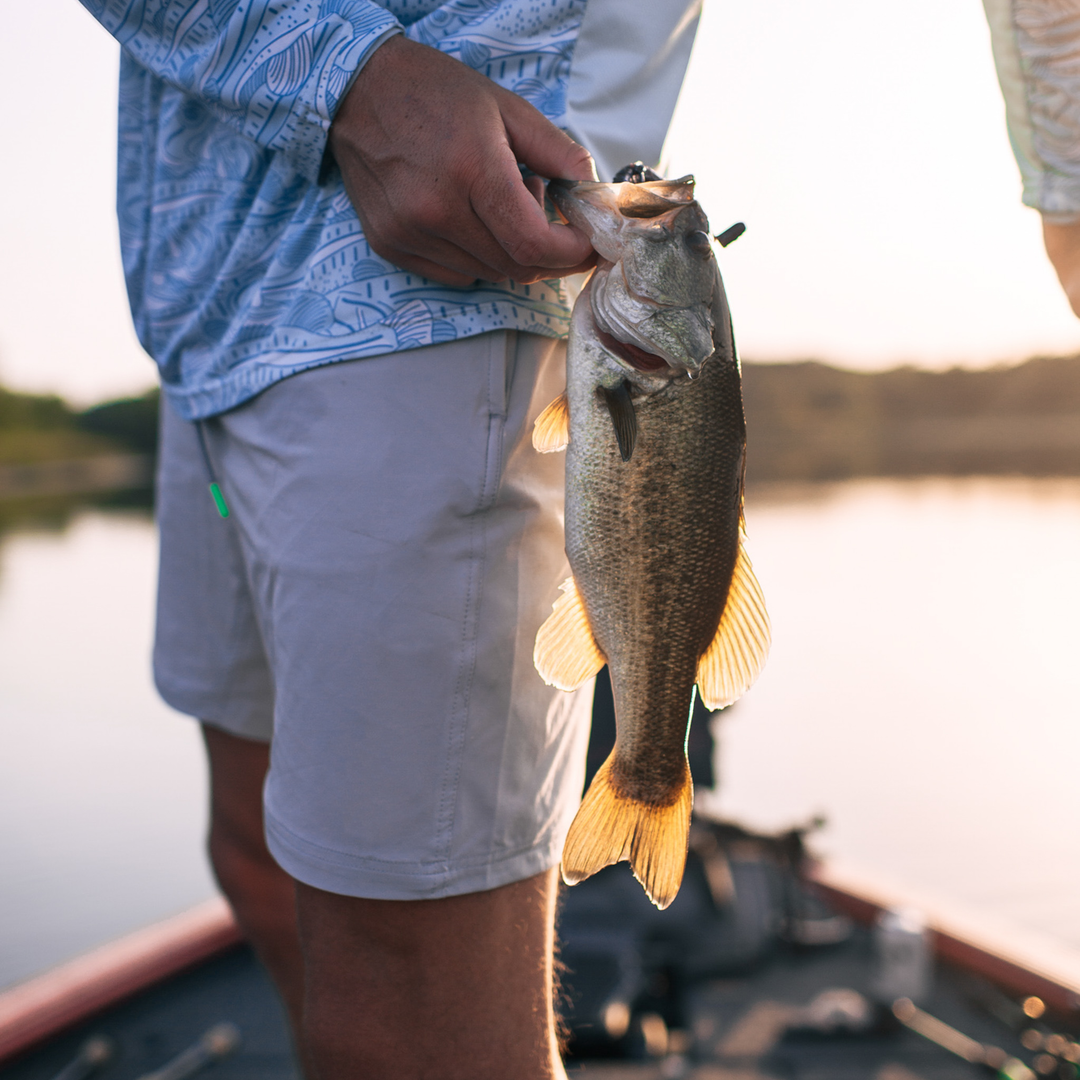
x,y
734,1027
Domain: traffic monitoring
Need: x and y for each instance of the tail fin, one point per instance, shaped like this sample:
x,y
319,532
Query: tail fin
x,y
610,827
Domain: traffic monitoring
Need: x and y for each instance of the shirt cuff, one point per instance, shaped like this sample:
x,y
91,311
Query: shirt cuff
x,y
341,57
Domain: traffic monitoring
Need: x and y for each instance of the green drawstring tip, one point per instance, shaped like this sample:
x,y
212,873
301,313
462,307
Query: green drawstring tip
x,y
219,500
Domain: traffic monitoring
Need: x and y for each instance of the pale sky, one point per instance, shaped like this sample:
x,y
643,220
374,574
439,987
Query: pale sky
x,y
862,142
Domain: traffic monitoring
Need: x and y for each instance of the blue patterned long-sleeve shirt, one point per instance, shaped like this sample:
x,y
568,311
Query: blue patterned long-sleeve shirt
x,y
245,261
1037,52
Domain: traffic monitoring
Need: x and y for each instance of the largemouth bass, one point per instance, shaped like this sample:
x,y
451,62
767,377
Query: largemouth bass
x,y
662,589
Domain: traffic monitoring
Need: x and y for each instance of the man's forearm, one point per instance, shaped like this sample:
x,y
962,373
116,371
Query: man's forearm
x,y
1063,247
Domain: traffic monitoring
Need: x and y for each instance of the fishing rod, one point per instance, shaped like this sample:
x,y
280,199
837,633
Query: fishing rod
x,y
220,1041
1001,1063
95,1053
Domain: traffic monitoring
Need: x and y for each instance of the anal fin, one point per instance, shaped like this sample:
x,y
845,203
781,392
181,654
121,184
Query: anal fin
x,y
551,430
566,654
736,655
610,827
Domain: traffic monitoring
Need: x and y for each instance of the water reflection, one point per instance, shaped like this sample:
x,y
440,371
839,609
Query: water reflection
x,y
923,684
921,693
101,786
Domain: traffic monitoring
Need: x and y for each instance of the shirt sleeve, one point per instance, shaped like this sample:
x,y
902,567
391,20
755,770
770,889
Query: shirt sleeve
x,y
274,70
1036,47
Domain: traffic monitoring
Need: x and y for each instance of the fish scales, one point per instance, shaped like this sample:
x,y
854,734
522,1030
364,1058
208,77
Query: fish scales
x,y
645,539
662,589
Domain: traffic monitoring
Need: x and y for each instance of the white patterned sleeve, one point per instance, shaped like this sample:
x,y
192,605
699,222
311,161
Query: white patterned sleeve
x,y
1036,47
274,70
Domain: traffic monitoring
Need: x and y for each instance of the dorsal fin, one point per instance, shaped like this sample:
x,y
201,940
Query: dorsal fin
x,y
551,431
566,654
734,659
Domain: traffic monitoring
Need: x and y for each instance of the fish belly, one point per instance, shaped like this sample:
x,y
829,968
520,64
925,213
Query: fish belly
x,y
652,544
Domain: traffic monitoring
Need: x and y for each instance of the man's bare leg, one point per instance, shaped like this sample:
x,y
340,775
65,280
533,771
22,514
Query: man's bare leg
x,y
260,892
452,989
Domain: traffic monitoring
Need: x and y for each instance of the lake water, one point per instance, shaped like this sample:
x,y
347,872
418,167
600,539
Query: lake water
x,y
923,693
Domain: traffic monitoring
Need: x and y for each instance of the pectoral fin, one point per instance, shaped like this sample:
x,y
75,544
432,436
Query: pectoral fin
x,y
734,659
551,431
623,416
566,654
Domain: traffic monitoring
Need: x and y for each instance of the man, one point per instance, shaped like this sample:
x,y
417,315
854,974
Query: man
x,y
351,290
1036,46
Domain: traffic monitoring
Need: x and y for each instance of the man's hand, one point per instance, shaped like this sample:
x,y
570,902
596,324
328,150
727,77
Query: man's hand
x,y
1063,246
429,150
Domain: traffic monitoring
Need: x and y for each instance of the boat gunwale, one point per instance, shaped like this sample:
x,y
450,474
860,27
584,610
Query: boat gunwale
x,y
1014,960
33,1011
46,1005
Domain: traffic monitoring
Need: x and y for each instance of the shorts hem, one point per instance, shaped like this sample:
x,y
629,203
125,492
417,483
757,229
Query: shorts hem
x,y
352,876
207,710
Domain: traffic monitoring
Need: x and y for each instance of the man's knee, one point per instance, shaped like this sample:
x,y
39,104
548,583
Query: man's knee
x,y
236,843
460,985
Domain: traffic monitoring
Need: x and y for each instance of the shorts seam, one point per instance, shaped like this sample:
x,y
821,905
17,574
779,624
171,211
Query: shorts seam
x,y
470,627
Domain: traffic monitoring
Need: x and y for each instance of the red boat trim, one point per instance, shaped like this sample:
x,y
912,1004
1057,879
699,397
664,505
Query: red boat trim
x,y
1017,964
46,1005
39,1008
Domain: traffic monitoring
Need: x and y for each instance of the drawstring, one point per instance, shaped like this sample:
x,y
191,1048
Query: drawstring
x,y
215,491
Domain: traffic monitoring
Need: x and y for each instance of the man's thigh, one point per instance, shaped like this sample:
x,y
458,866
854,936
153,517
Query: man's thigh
x,y
209,658
402,543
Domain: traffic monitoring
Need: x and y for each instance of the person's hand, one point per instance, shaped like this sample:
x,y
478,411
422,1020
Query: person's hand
x,y
1063,246
429,149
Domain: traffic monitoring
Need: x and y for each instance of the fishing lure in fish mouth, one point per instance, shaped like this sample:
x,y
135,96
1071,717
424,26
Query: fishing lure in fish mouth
x,y
662,588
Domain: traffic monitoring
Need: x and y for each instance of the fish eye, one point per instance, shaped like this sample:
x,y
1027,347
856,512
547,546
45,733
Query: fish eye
x,y
698,242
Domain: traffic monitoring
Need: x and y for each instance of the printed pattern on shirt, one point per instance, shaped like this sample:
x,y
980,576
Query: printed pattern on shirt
x,y
1036,46
1048,38
242,269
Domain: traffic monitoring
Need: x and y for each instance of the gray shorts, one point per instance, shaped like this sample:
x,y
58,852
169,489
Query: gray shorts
x,y
370,606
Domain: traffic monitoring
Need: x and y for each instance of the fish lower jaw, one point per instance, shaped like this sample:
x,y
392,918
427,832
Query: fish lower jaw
x,y
634,357
649,371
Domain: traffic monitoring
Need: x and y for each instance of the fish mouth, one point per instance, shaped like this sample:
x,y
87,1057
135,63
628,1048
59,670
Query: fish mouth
x,y
648,199
626,342
632,355
601,210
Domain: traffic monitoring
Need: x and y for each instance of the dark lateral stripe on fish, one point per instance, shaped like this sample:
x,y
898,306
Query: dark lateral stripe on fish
x,y
623,417
635,357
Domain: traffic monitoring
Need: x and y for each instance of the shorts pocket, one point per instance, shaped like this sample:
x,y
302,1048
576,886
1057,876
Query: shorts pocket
x,y
502,354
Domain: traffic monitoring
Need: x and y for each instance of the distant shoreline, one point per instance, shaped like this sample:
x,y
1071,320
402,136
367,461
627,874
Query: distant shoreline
x,y
810,421
806,421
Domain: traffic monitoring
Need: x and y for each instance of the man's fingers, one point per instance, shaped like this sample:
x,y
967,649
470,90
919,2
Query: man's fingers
x,y
403,247
503,203
416,264
535,186
540,145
